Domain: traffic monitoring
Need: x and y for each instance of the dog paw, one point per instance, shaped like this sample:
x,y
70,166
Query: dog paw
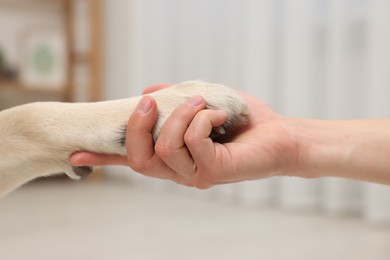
x,y
103,125
216,97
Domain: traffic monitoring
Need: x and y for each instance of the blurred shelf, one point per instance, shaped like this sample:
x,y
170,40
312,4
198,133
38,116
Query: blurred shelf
x,y
32,4
16,86
14,95
91,57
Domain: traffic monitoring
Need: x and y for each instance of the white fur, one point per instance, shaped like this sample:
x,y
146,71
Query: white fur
x,y
37,139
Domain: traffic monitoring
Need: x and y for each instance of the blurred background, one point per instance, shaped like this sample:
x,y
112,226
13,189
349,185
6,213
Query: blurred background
x,y
327,59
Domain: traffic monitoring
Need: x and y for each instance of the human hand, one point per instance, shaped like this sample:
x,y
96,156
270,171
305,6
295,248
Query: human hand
x,y
185,154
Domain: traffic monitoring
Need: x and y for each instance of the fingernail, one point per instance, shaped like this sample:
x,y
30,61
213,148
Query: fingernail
x,y
144,105
195,101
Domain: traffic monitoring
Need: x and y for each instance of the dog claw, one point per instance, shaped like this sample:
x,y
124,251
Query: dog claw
x,y
217,132
82,171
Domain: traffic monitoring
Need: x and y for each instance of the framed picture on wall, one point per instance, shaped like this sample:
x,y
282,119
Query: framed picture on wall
x,y
44,60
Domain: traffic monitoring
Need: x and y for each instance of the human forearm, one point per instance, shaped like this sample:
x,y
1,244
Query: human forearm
x,y
355,149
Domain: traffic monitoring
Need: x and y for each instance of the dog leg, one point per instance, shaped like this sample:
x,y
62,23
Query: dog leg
x,y
37,139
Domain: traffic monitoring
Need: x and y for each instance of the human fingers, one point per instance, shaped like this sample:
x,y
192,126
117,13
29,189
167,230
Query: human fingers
x,y
155,88
204,152
95,159
170,145
139,141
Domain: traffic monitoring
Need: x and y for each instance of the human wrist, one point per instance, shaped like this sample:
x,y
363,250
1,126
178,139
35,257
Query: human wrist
x,y
353,149
321,147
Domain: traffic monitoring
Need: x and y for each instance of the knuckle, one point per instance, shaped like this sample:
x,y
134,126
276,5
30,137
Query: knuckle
x,y
190,138
137,165
163,149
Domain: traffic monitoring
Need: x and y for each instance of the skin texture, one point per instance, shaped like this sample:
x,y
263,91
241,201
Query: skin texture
x,y
269,145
